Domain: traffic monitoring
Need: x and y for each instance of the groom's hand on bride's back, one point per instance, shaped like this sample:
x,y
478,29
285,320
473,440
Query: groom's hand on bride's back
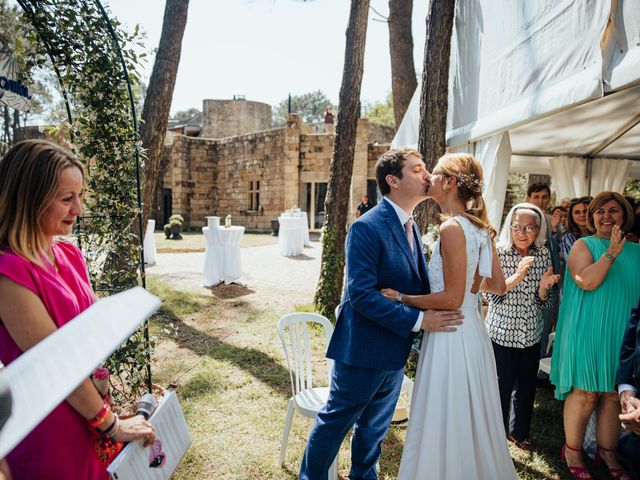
x,y
441,320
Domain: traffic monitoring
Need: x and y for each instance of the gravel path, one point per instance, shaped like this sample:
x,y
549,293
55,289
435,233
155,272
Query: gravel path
x,y
268,279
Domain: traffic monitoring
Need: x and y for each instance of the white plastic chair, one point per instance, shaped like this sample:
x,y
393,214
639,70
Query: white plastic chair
x,y
307,400
545,363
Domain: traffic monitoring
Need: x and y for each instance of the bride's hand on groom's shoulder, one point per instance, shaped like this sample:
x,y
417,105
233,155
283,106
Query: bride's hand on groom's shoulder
x,y
441,320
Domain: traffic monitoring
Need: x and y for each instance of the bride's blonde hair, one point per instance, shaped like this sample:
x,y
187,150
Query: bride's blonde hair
x,y
468,174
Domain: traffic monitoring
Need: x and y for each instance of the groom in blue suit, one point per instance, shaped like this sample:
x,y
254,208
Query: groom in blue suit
x,y
373,335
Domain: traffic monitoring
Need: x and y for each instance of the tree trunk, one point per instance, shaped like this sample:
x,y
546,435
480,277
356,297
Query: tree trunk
x,y
403,72
157,104
15,125
341,168
7,126
434,96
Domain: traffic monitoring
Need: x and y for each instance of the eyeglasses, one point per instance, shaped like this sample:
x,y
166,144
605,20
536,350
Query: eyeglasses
x,y
526,229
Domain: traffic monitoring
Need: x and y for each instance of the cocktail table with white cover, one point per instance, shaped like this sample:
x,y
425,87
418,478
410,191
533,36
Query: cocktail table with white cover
x,y
222,256
149,243
291,234
307,240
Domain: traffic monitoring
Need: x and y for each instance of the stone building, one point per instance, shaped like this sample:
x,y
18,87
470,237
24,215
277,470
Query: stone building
x,y
255,175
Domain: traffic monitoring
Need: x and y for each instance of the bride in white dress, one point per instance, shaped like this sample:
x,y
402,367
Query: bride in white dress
x,y
455,427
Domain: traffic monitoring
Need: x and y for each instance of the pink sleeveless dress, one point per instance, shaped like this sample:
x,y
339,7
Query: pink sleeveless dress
x,y
60,447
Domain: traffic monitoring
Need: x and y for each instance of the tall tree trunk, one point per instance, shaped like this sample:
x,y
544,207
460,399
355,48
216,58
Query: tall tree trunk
x,y
6,131
434,96
403,72
157,103
15,125
341,168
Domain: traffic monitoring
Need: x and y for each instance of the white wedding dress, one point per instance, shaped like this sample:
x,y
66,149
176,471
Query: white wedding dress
x,y
455,427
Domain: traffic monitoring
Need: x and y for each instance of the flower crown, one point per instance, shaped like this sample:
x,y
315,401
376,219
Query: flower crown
x,y
470,182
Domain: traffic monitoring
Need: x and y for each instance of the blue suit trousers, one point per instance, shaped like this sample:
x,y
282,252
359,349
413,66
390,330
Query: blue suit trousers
x,y
362,398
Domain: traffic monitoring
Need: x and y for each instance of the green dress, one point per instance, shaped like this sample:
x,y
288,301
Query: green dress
x,y
591,324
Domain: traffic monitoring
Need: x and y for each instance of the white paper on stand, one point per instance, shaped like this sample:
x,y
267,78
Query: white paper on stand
x,y
159,461
47,373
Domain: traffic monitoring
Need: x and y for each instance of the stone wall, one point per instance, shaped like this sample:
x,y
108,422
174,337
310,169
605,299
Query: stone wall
x,y
29,133
375,151
228,118
212,176
380,133
315,157
240,160
191,175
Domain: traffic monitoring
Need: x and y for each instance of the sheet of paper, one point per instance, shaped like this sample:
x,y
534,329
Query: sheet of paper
x,y
46,374
159,461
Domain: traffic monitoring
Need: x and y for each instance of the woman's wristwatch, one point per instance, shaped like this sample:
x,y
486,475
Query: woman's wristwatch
x,y
399,297
609,257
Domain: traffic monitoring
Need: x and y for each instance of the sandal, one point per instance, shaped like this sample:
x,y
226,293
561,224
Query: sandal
x,y
616,472
580,473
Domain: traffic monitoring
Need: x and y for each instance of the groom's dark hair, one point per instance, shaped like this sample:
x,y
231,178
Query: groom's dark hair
x,y
391,163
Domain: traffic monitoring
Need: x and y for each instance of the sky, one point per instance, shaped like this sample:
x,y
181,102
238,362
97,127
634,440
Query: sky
x,y
266,49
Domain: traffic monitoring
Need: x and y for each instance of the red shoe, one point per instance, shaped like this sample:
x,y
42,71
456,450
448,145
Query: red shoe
x,y
580,473
615,472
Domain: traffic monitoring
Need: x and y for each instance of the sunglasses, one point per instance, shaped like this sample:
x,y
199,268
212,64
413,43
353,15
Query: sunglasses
x,y
586,199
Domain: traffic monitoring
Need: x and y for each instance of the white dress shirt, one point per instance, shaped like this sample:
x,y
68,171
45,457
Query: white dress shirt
x,y
404,217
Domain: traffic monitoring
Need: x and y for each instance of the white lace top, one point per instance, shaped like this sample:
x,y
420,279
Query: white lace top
x,y
479,252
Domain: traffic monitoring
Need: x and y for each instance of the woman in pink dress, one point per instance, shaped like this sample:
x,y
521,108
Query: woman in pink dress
x,y
43,285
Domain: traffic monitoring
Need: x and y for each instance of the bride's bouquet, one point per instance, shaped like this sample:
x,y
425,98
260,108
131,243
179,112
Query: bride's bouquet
x,y
429,241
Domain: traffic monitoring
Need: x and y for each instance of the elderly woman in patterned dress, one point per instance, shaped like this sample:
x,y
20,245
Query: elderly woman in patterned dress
x,y
514,320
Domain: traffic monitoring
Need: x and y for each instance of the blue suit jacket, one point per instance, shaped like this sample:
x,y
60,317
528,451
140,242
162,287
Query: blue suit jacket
x,y
371,330
629,369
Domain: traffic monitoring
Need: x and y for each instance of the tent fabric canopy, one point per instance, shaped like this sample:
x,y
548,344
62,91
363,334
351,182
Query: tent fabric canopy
x,y
571,178
561,77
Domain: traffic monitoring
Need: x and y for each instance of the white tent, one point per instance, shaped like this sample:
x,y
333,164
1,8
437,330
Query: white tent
x,y
551,86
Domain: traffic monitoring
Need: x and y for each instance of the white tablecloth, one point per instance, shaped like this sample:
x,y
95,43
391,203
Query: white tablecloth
x,y
305,228
222,257
292,234
149,243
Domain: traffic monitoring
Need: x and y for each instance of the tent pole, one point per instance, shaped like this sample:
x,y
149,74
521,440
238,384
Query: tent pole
x,y
589,168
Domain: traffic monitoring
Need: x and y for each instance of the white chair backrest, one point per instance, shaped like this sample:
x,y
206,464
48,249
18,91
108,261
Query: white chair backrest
x,y
294,334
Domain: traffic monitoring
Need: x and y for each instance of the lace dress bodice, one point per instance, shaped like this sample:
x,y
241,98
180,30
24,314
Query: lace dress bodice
x,y
478,247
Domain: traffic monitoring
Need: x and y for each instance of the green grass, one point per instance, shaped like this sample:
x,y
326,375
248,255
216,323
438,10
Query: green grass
x,y
194,242
227,361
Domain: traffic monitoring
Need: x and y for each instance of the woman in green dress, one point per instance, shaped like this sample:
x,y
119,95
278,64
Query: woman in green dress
x,y
601,286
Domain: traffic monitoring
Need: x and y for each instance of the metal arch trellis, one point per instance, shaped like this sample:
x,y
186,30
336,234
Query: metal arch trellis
x,y
38,12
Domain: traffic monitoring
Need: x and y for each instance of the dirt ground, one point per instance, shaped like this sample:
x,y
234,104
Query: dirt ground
x,y
268,279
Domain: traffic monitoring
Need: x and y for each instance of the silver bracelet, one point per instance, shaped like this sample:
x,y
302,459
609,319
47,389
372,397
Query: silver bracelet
x,y
112,431
399,297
